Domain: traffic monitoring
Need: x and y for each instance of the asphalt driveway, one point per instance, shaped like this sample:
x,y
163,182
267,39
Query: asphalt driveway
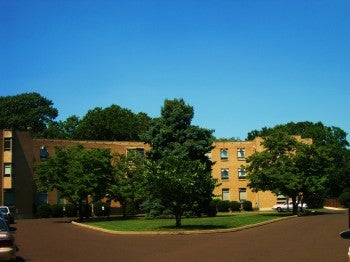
x,y
308,238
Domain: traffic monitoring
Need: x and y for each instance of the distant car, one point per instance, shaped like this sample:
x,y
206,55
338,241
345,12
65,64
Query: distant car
x,y
9,216
287,206
8,247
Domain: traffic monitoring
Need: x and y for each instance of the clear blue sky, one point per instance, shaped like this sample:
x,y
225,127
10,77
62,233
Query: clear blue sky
x,y
241,64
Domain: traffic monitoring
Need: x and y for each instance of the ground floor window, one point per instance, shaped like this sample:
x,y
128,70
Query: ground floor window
x,y
242,194
43,198
225,194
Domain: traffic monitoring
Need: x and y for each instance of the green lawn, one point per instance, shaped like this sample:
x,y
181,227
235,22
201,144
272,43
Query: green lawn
x,y
205,223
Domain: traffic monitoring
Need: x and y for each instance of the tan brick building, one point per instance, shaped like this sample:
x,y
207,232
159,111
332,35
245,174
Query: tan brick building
x,y
19,153
228,158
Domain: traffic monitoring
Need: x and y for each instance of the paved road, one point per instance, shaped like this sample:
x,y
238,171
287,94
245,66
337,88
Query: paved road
x,y
309,238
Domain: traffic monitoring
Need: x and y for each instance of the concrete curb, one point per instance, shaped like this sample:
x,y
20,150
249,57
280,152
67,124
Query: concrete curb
x,y
183,232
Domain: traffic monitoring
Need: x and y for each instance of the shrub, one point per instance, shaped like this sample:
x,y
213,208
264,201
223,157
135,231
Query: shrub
x,y
70,210
235,206
44,211
344,198
101,208
212,211
130,209
247,205
223,206
57,210
314,200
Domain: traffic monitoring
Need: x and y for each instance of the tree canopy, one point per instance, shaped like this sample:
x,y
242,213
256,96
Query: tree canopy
x,y
179,171
76,173
28,111
330,140
288,167
128,179
112,123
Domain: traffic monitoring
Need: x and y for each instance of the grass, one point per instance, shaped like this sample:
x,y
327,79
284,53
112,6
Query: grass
x,y
205,223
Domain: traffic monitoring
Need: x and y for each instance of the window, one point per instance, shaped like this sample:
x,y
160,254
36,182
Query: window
x,y
241,153
223,154
9,199
226,194
138,152
44,154
42,198
7,144
7,170
242,194
241,173
224,174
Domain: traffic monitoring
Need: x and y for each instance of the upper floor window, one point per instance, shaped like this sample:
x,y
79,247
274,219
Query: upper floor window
x,y
241,173
7,170
7,143
224,174
240,153
224,154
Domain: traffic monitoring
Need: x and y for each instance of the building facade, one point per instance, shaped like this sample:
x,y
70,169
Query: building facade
x,y
19,153
229,159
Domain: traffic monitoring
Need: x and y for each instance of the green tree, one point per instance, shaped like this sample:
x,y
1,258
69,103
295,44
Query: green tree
x,y
330,140
127,181
178,168
28,111
112,123
288,167
76,173
62,129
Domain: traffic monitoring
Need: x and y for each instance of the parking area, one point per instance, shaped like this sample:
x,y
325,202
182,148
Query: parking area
x,y
309,238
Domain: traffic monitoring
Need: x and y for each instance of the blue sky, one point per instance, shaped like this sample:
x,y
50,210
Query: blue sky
x,y
241,64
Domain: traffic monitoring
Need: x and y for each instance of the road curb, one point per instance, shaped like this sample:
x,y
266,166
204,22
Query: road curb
x,y
182,232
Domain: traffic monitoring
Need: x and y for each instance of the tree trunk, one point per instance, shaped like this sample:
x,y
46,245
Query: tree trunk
x,y
81,215
295,205
178,215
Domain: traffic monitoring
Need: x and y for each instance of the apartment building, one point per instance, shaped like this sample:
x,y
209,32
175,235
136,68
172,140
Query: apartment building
x,y
19,153
229,159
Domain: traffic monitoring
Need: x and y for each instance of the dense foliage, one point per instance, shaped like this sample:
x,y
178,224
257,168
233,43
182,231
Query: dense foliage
x,y
330,140
28,111
178,170
288,167
76,173
127,181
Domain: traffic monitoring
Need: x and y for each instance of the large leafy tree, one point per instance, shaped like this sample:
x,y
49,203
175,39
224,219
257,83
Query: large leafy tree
x,y
329,140
28,111
76,173
127,180
288,167
62,129
178,168
112,123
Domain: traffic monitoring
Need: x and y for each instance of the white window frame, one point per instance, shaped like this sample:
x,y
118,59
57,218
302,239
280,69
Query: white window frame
x,y
225,171
8,140
225,192
242,194
241,173
7,170
240,153
223,154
